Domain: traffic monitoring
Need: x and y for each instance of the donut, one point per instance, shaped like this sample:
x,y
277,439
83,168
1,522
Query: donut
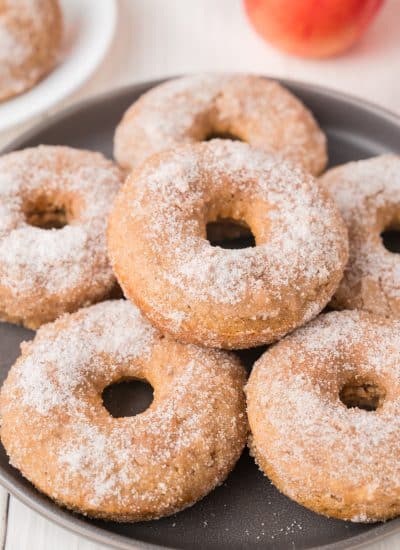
x,y
30,40
324,412
54,202
244,107
207,294
58,433
367,193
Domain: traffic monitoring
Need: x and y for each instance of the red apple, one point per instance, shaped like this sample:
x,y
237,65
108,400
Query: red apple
x,y
311,28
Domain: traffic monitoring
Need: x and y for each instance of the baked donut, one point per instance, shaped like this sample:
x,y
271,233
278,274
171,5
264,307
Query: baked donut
x,y
30,40
57,432
45,272
210,295
196,108
368,195
324,412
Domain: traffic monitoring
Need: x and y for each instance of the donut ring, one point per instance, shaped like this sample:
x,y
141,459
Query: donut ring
x,y
368,195
338,461
44,273
213,296
30,40
57,432
195,108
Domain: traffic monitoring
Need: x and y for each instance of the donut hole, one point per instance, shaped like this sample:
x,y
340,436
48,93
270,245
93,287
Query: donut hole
x,y
215,134
230,233
127,397
364,395
46,213
391,239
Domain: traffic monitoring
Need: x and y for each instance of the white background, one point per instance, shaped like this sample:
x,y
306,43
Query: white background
x,y
158,37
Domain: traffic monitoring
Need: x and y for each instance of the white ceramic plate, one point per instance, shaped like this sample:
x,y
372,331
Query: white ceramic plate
x,y
88,31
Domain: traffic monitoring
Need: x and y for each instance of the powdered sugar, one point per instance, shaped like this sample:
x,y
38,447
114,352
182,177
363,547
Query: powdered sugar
x,y
10,48
73,353
55,261
225,276
317,449
187,110
12,51
368,195
163,130
123,468
365,183
301,243
24,31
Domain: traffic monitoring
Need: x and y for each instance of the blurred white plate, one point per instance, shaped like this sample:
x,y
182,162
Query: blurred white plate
x,y
88,31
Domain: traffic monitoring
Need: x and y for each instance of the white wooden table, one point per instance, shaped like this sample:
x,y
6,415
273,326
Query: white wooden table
x,y
159,37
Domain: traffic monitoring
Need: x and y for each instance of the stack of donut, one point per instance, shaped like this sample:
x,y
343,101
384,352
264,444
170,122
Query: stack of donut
x,y
204,161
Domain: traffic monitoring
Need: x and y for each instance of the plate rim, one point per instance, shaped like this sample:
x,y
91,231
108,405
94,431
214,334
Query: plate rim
x,y
73,522
112,17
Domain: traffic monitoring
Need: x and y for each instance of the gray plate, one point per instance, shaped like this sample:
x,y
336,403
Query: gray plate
x,y
246,511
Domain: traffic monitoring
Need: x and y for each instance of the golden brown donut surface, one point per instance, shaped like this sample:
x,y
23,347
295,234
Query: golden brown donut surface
x,y
367,193
214,296
30,39
199,107
338,461
57,432
46,271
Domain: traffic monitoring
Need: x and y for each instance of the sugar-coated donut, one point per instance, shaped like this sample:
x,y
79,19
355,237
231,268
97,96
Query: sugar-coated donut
x,y
195,108
368,195
30,39
324,412
57,432
210,295
46,272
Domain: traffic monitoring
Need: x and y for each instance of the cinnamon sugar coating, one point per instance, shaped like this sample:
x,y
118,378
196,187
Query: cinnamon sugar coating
x,y
30,40
367,193
195,108
46,272
57,432
213,296
338,461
